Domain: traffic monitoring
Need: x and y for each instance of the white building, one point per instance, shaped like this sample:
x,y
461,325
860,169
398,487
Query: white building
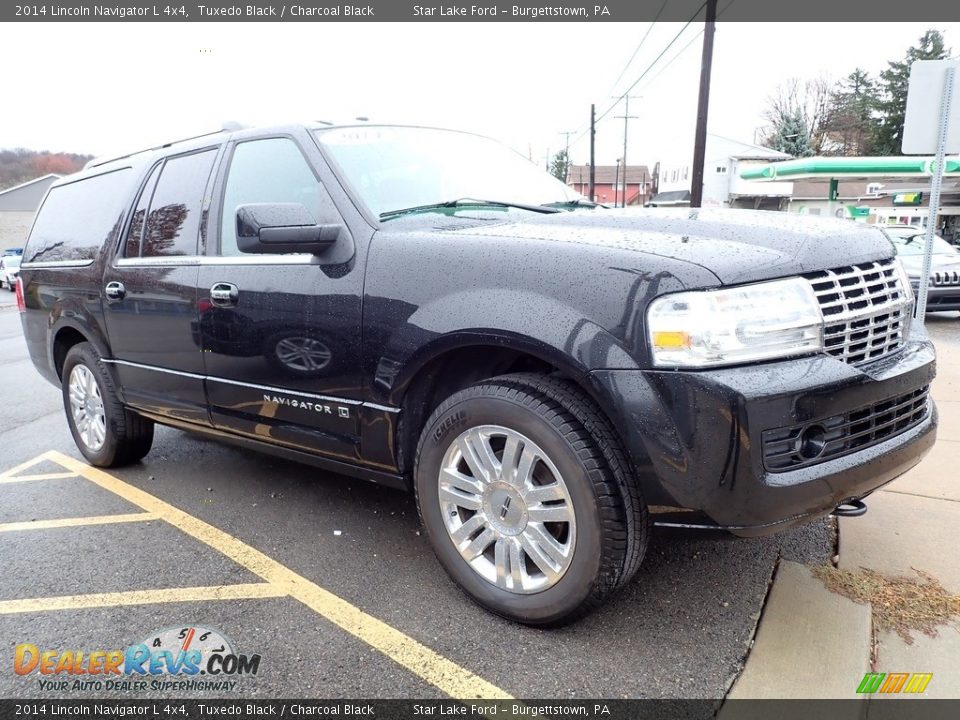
x,y
722,185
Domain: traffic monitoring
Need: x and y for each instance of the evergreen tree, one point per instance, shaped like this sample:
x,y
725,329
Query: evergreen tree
x,y
559,166
894,81
792,136
850,123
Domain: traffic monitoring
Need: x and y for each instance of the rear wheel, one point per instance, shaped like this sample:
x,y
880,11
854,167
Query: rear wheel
x,y
106,432
528,500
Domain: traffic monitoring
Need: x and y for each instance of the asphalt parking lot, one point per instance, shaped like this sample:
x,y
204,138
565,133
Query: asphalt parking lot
x,y
329,579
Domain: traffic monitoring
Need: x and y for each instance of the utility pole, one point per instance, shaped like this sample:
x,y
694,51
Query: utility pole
x,y
593,164
616,183
566,150
700,139
626,118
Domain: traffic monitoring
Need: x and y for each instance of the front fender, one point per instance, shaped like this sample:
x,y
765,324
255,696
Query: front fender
x,y
528,322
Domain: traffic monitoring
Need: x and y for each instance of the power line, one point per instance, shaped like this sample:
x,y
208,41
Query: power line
x,y
670,61
685,47
649,68
639,45
656,60
581,132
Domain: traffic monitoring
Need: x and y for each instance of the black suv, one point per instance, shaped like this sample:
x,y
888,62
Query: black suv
x,y
428,310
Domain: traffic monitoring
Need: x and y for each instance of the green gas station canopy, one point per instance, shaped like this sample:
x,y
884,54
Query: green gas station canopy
x,y
849,167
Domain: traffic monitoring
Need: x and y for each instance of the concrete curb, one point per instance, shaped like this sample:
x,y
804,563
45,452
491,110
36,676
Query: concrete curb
x,y
828,638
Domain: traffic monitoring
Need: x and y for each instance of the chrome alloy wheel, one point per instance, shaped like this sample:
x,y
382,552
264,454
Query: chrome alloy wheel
x,y
303,353
86,404
507,509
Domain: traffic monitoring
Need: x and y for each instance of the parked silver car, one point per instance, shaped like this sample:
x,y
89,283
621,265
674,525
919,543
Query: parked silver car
x,y
944,292
9,270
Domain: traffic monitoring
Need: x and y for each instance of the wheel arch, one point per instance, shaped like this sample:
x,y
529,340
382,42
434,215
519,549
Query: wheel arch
x,y
66,335
455,362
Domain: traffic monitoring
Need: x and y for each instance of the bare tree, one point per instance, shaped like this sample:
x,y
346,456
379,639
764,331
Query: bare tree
x,y
808,100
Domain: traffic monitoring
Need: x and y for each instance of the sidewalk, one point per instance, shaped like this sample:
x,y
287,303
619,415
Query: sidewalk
x,y
814,643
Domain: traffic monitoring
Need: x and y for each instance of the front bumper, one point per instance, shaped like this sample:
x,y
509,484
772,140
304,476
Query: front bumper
x,y
939,297
697,437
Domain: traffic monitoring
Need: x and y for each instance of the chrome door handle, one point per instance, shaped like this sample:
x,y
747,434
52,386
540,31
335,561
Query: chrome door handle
x,y
115,290
224,294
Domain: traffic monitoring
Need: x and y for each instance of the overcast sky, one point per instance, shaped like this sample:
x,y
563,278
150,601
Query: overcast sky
x,y
107,88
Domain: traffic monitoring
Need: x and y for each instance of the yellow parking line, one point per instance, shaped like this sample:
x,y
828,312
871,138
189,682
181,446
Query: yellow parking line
x,y
44,476
454,680
141,597
76,522
22,466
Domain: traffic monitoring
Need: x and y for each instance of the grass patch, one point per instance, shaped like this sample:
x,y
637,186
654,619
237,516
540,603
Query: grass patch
x,y
900,604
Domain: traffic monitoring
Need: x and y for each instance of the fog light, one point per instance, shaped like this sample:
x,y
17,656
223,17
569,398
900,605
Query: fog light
x,y
812,442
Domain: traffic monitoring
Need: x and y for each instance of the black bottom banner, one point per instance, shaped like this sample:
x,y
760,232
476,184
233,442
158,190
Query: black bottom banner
x,y
883,709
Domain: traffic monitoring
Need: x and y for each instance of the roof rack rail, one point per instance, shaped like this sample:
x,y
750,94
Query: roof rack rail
x,y
228,126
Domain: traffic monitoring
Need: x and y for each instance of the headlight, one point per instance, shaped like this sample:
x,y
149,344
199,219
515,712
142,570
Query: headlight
x,y
710,328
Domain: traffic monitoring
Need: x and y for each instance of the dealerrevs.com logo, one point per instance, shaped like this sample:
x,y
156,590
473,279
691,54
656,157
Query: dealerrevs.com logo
x,y
174,659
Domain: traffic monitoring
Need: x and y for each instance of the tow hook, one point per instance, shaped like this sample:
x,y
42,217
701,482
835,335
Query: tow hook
x,y
851,508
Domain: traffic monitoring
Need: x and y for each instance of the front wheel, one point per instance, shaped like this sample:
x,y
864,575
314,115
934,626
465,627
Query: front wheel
x,y
528,500
106,432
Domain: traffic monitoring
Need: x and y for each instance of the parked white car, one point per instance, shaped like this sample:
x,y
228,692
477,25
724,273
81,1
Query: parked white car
x,y
9,270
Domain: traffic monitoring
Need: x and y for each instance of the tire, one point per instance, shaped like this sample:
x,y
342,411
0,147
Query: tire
x,y
549,548
105,432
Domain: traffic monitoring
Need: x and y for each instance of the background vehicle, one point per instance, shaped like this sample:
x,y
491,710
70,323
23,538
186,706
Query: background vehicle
x,y
428,310
9,270
944,290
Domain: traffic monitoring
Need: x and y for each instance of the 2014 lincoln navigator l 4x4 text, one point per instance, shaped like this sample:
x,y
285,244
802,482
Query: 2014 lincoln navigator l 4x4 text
x,y
426,309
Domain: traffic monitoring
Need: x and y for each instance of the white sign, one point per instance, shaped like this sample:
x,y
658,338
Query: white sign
x,y
924,107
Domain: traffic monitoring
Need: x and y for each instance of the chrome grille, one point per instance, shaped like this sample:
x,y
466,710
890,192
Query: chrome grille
x,y
789,448
946,277
866,310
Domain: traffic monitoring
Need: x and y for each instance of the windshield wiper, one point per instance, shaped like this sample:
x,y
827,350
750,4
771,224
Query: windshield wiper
x,y
579,202
467,202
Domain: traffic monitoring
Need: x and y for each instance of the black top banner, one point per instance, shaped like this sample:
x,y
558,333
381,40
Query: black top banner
x,y
859,13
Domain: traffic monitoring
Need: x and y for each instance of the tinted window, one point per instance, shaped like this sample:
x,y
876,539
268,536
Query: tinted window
x,y
173,221
76,219
135,233
268,171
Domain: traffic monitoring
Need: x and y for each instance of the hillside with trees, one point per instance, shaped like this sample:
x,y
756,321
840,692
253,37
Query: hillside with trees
x,y
21,165
855,116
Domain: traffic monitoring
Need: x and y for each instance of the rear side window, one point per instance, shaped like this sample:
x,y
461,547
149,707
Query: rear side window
x,y
77,219
172,224
135,233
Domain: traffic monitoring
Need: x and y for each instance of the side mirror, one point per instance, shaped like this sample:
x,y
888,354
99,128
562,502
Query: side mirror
x,y
279,228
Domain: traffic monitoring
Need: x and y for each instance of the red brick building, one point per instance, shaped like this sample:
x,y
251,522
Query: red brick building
x,y
639,183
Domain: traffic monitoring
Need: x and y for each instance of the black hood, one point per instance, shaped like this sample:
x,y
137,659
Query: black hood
x,y
735,245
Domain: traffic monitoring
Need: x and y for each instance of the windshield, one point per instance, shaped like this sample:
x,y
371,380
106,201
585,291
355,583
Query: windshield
x,y
910,241
396,168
